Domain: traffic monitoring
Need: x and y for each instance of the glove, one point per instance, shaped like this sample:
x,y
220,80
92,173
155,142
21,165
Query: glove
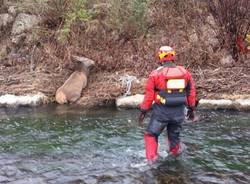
x,y
142,117
190,114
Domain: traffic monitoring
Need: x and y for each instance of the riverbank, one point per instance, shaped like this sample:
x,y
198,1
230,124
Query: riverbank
x,y
34,58
239,103
217,87
234,103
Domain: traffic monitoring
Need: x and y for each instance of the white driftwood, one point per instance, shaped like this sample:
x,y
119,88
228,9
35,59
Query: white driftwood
x,y
214,104
129,101
240,104
27,100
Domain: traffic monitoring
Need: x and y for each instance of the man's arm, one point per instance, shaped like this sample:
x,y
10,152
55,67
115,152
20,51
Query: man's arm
x,y
149,94
191,92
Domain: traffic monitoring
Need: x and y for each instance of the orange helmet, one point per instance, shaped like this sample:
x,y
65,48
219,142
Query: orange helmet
x,y
165,53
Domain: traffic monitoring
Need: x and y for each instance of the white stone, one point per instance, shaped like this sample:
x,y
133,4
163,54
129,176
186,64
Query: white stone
x,y
216,103
129,101
210,20
227,60
243,103
209,35
24,22
5,19
12,10
3,50
27,100
193,37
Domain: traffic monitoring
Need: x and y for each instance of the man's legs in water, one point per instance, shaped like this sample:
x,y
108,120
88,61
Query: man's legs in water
x,y
151,135
173,131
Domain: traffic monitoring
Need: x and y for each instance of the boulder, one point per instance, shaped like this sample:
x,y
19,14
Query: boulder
x,y
211,21
236,104
193,36
24,22
242,104
3,51
227,60
12,10
216,104
27,100
5,19
209,36
129,101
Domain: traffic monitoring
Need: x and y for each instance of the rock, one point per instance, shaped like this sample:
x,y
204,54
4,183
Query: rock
x,y
28,180
69,180
101,10
3,51
193,37
209,36
243,104
10,171
24,22
129,101
5,19
211,21
216,104
240,103
227,60
4,179
28,100
12,10
219,103
18,39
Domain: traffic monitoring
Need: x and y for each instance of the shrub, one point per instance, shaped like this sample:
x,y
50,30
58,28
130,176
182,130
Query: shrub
x,y
76,11
128,17
233,17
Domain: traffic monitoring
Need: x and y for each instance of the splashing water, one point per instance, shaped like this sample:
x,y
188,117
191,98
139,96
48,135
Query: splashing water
x,y
71,145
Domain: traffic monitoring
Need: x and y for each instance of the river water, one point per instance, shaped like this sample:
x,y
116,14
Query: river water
x,y
66,145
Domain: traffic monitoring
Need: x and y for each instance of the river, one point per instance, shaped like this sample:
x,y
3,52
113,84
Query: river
x,y
68,145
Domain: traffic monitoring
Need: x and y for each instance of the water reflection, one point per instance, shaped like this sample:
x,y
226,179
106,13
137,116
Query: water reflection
x,y
71,145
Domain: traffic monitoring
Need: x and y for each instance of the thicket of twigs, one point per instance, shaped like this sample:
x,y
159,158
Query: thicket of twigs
x,y
233,19
125,34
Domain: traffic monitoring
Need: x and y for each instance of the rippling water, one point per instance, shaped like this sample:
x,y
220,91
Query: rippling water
x,y
58,145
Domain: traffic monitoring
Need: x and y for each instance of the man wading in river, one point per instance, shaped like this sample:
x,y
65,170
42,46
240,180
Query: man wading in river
x,y
171,88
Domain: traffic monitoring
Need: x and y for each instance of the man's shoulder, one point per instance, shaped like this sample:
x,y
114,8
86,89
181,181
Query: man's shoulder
x,y
181,67
157,71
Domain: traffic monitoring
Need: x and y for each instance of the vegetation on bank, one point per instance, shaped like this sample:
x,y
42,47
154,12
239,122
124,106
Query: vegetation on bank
x,y
123,35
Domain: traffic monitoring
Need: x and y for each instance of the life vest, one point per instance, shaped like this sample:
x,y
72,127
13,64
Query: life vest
x,y
174,92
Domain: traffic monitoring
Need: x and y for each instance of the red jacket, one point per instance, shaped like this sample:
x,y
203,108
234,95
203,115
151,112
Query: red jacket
x,y
157,81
